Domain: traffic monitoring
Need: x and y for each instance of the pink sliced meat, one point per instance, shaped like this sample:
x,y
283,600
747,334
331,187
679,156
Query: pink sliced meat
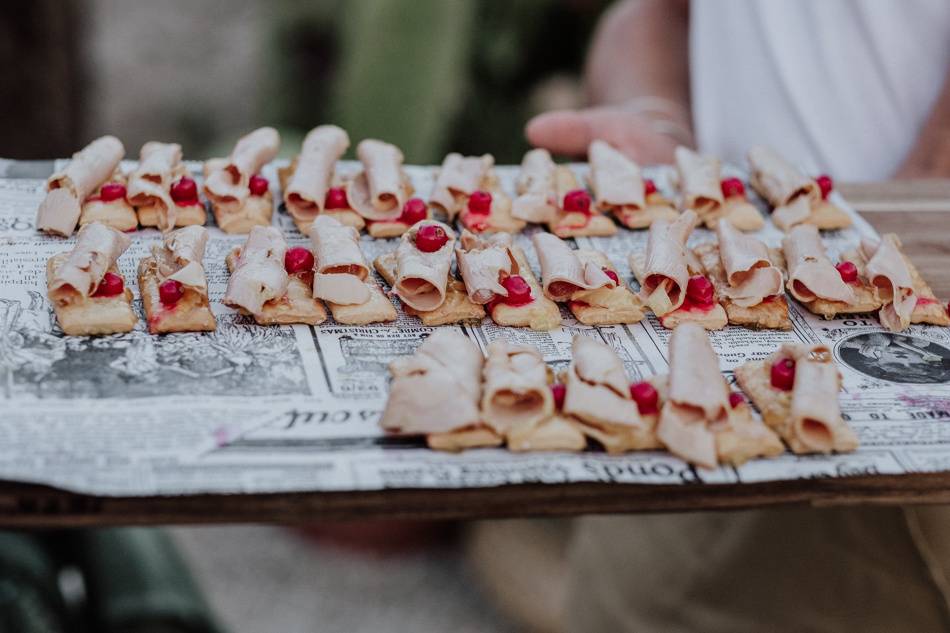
x,y
482,262
698,397
259,275
89,168
307,189
378,192
749,271
562,271
229,184
438,388
615,179
888,272
97,248
340,266
459,176
666,271
811,275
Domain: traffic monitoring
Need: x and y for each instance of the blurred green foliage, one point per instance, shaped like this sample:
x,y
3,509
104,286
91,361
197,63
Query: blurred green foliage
x,y
428,75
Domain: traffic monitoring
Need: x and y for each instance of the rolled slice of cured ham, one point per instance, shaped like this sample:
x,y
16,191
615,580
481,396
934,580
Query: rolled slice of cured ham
x,y
749,271
307,189
562,272
666,269
811,275
77,277
422,277
341,269
67,189
259,275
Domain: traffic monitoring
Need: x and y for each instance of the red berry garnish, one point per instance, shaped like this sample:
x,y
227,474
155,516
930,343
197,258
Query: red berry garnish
x,y
735,399
413,211
577,201
732,187
782,374
519,292
558,390
646,397
649,187
298,260
826,184
110,286
185,191
258,185
848,272
170,291
112,191
336,199
613,276
430,238
699,290
480,202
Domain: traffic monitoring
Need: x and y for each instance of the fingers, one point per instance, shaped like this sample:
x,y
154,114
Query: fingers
x,y
569,133
566,132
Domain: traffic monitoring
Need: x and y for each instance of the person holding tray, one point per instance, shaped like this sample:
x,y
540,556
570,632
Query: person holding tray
x,y
810,79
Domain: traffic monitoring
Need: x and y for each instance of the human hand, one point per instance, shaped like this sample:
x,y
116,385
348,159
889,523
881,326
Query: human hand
x,y
643,138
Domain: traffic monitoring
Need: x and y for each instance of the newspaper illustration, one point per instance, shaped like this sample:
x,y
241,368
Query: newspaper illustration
x,y
252,409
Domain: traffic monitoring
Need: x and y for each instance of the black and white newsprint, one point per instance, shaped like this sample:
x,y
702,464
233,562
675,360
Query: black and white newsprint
x,y
271,409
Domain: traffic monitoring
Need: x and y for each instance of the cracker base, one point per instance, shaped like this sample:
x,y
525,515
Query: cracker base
x,y
192,313
457,307
775,406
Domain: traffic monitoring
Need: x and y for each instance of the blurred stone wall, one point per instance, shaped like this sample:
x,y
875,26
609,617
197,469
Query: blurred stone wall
x,y
428,75
175,70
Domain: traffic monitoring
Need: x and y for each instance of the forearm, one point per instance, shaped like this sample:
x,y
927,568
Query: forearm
x,y
640,50
930,155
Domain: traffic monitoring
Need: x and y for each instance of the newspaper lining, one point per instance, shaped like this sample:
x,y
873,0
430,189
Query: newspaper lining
x,y
253,409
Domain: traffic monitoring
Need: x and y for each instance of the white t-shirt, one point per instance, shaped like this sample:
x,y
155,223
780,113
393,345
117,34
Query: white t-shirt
x,y
840,86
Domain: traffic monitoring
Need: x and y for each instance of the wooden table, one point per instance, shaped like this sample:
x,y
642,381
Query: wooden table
x,y
918,211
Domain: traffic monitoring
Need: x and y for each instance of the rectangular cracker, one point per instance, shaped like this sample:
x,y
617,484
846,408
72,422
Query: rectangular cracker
x,y
621,438
932,310
188,215
574,224
118,214
542,314
556,434
499,220
192,313
378,309
461,439
713,319
296,306
256,211
658,208
770,315
743,439
775,406
606,306
866,299
742,214
828,217
96,315
747,439
457,307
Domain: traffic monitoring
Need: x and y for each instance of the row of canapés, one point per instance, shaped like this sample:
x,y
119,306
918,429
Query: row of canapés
x,y
159,191
449,393
442,279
